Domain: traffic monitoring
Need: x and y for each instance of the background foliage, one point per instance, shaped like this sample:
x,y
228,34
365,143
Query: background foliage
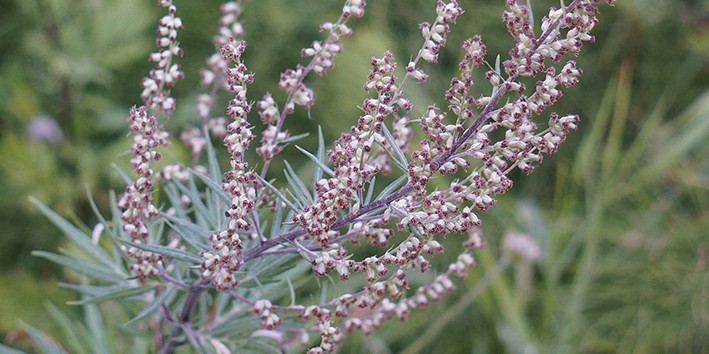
x,y
621,212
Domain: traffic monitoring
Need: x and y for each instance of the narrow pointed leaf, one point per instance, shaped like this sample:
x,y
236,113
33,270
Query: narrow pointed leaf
x,y
201,209
317,173
94,207
46,344
124,176
93,290
96,326
129,291
277,221
392,187
7,350
169,252
370,190
212,161
399,156
214,186
176,204
69,329
79,238
279,194
153,305
302,192
318,162
190,232
92,270
293,138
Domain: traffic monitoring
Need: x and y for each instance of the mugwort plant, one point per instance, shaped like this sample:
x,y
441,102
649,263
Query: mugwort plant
x,y
226,260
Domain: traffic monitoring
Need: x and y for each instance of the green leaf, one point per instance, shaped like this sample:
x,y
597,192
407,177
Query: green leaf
x,y
212,162
299,188
174,196
154,305
93,290
399,156
370,190
96,327
299,203
277,221
7,350
81,266
213,185
392,187
46,344
272,274
117,232
692,134
126,179
235,327
128,291
317,173
321,164
94,207
80,239
190,232
211,216
204,211
221,304
262,346
69,329
293,138
279,194
169,252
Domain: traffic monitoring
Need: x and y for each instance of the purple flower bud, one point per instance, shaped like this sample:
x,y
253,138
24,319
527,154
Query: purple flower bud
x,y
44,128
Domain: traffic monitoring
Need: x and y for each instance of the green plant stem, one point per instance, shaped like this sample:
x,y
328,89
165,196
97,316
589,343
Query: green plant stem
x,y
512,314
572,322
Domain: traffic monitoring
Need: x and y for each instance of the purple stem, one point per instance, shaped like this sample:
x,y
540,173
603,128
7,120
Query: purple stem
x,y
184,320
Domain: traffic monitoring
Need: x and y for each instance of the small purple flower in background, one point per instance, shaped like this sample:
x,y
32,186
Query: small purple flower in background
x,y
522,245
44,128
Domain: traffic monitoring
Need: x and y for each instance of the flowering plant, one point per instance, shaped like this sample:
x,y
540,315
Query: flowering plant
x,y
224,263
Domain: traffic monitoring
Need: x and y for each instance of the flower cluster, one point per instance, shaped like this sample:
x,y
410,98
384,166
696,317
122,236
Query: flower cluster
x,y
214,79
451,146
368,309
220,265
323,53
136,200
263,309
435,34
447,147
155,87
529,52
351,154
478,139
457,95
291,81
330,334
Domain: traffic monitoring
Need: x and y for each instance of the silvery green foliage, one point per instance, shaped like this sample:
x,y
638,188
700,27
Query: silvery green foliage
x,y
231,259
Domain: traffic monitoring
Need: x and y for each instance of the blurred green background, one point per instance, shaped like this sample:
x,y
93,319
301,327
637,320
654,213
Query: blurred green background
x,y
621,212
